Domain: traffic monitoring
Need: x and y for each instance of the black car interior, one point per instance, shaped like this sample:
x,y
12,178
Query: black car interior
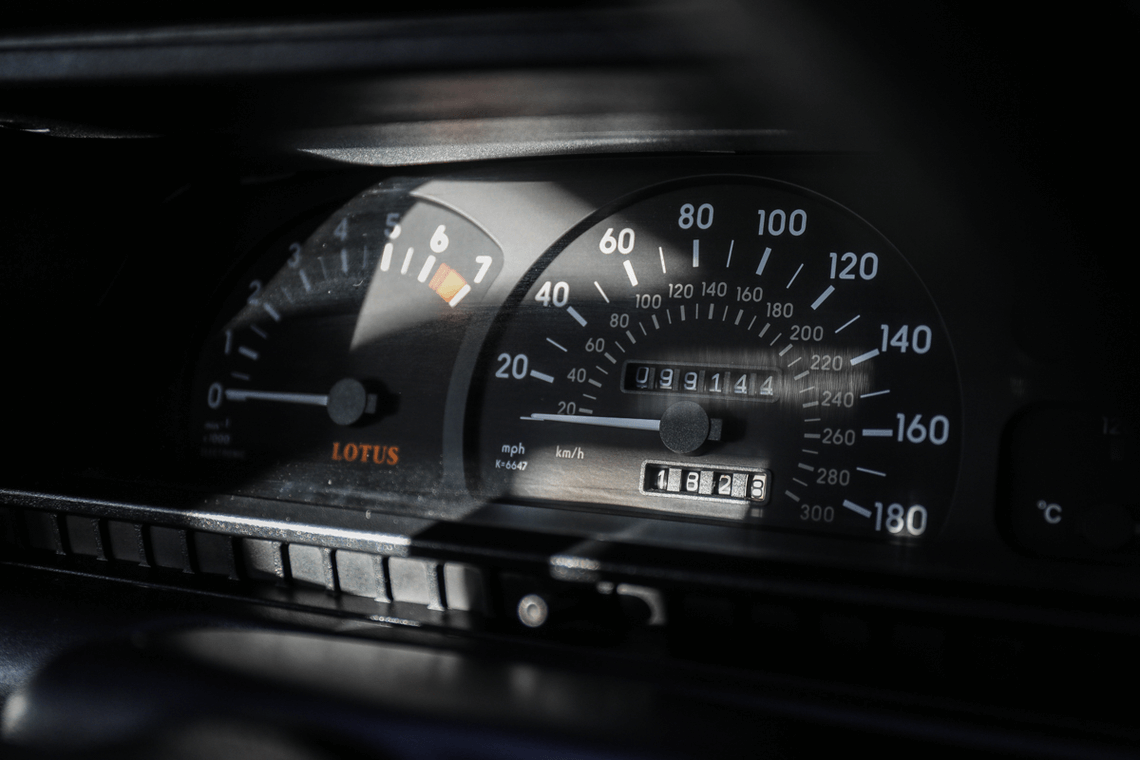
x,y
347,352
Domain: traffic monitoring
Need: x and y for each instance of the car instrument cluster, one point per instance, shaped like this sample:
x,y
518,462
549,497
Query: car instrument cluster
x,y
677,347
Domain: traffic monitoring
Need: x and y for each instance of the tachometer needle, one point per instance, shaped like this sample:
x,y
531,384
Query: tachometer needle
x,y
346,402
241,394
628,423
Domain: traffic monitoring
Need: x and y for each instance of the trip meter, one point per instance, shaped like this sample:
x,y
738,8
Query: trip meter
x,y
729,349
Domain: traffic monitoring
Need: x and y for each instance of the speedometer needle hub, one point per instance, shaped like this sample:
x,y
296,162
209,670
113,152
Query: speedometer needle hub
x,y
685,426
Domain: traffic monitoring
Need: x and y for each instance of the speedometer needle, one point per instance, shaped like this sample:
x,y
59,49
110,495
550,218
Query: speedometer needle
x,y
628,423
684,427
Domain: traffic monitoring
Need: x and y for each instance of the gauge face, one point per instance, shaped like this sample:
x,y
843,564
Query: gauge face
x,y
740,350
322,375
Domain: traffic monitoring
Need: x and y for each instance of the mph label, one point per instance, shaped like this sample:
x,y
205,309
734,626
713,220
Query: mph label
x,y
512,450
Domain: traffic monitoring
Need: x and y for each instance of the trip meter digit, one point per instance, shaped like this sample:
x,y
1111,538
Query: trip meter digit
x,y
730,350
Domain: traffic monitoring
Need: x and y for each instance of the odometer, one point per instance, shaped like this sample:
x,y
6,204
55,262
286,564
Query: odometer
x,y
729,349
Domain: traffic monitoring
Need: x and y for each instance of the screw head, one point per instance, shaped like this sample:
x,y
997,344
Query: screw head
x,y
533,611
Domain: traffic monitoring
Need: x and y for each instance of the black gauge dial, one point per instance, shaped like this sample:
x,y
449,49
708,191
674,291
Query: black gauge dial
x,y
325,375
731,350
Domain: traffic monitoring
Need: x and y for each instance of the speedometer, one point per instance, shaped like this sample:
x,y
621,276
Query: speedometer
x,y
727,349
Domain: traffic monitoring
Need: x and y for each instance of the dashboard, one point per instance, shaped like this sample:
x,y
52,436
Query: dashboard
x,y
601,381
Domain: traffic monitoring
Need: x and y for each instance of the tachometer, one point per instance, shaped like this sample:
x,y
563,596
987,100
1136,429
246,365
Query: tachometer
x,y
732,349
326,376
